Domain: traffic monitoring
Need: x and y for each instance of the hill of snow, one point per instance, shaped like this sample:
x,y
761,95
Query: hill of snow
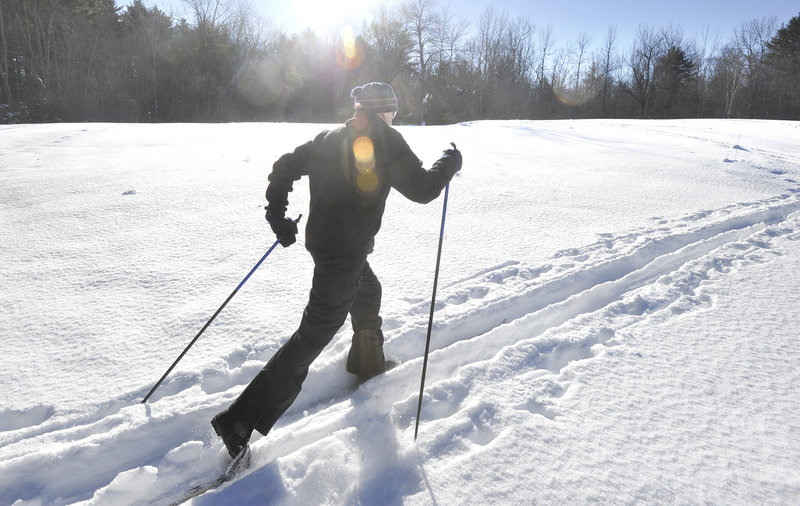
x,y
615,321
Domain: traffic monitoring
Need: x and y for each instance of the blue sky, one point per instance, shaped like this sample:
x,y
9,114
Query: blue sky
x,y
567,18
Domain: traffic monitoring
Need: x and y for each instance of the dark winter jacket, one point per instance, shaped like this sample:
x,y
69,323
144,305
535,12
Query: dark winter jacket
x,y
351,170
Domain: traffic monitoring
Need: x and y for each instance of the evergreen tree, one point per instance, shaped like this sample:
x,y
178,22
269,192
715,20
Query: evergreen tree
x,y
89,60
674,75
784,61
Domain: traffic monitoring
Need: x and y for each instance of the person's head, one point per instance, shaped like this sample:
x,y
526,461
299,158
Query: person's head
x,y
375,98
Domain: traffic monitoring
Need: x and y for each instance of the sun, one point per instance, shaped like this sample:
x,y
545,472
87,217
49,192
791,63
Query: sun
x,y
321,16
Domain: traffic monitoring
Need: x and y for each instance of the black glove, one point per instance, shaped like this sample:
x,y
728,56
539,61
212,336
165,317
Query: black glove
x,y
453,158
285,228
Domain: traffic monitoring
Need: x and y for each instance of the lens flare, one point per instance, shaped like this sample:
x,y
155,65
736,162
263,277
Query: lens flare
x,y
367,181
573,97
350,55
260,83
349,43
364,154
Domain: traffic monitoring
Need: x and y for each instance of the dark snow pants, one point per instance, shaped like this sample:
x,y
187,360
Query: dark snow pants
x,y
341,285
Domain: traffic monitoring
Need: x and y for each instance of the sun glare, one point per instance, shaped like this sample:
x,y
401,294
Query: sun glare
x,y
350,54
326,17
323,16
349,48
573,97
364,153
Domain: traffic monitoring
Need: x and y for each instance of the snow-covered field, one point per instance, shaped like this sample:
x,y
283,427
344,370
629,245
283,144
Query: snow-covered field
x,y
616,318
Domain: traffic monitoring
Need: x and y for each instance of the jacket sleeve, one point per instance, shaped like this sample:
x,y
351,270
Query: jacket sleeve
x,y
412,180
288,169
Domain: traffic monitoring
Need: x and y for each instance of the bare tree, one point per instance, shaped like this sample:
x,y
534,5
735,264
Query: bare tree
x,y
520,48
707,49
729,70
423,24
559,78
210,13
647,49
210,22
38,28
487,49
79,60
444,101
545,50
584,40
393,45
672,36
608,64
568,72
510,79
250,32
451,37
4,59
751,41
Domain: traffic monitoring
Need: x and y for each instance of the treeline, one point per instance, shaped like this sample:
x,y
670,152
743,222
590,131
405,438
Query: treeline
x,y
92,60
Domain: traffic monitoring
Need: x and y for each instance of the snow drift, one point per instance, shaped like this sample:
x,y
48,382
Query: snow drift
x,y
615,320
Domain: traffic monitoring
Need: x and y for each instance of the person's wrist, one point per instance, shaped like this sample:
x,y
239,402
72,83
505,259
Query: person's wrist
x,y
274,217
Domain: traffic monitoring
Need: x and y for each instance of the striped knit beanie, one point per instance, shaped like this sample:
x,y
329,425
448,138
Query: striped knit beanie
x,y
374,97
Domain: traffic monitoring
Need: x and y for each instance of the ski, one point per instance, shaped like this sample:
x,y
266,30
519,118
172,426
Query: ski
x,y
239,464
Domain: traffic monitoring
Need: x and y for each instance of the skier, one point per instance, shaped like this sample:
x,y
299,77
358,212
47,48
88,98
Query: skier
x,y
351,169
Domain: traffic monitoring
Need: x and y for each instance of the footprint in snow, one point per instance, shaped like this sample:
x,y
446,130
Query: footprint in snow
x,y
539,397
464,295
12,419
501,276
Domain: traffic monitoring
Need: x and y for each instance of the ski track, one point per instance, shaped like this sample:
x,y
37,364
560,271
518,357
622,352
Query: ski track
x,y
595,290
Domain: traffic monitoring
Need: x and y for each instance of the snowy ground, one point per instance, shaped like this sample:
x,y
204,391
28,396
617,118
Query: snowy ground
x,y
616,318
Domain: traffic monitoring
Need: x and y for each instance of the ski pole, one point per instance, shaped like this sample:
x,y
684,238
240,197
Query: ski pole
x,y
433,303
158,383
